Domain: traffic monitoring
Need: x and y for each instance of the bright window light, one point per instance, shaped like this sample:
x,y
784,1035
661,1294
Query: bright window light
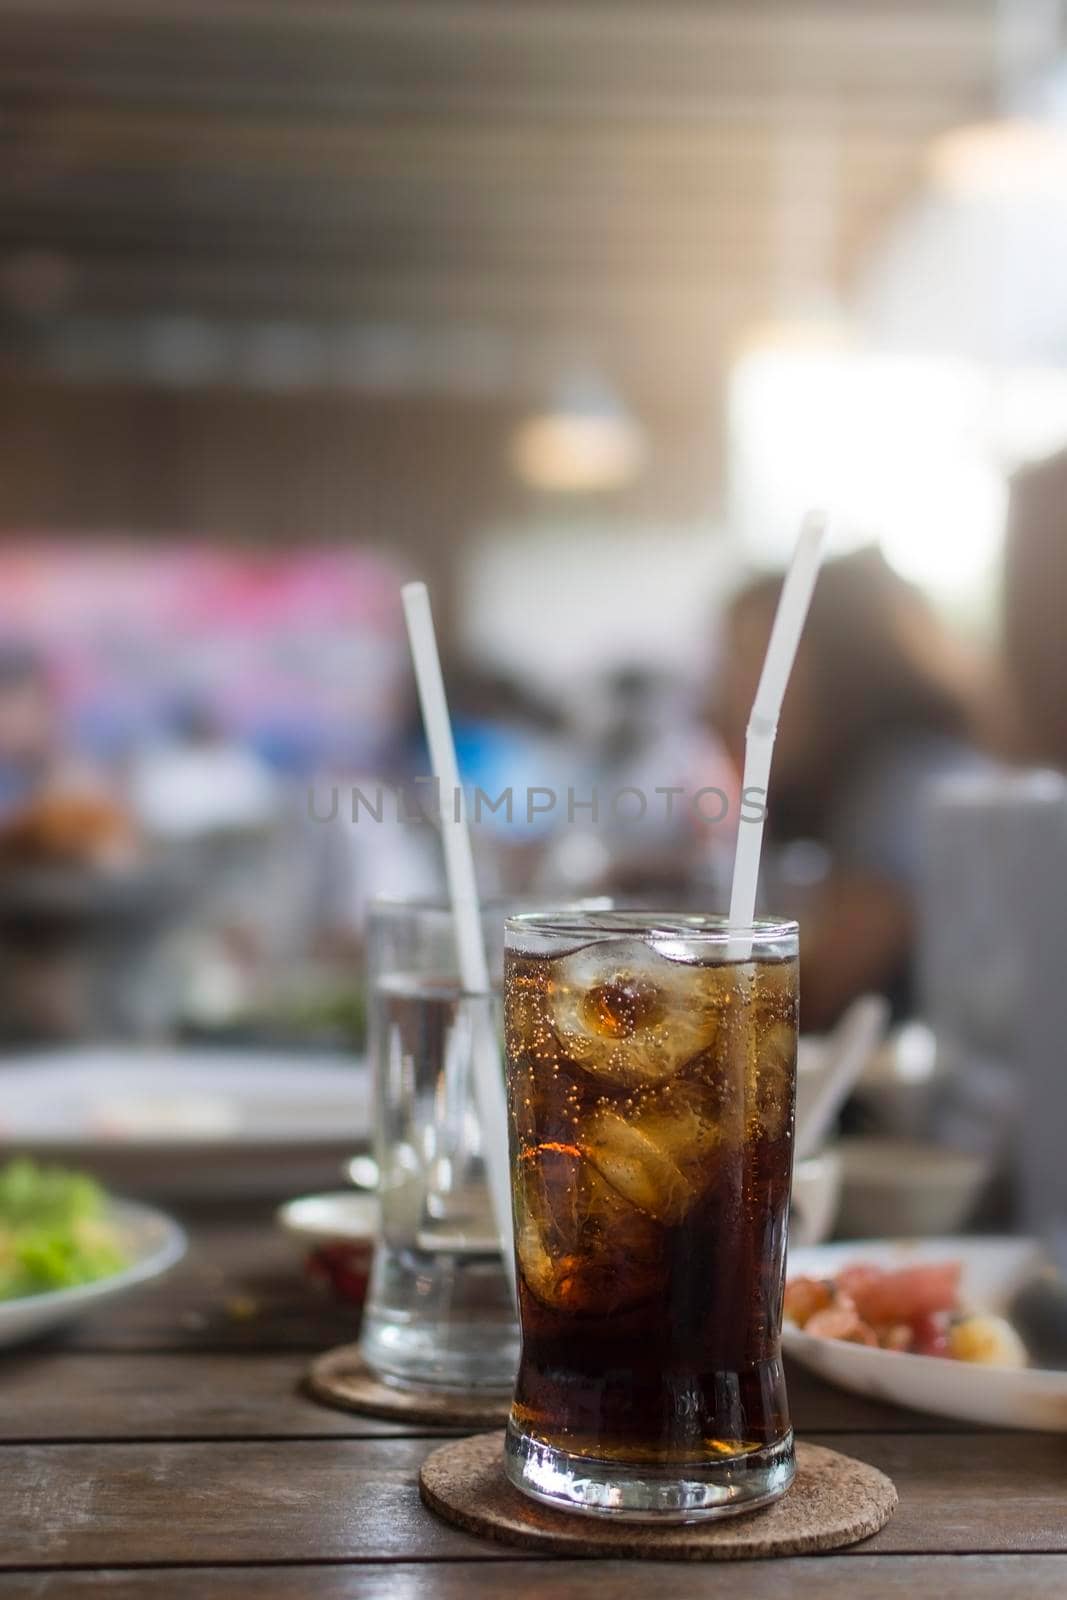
x,y
1009,160
1032,413
898,447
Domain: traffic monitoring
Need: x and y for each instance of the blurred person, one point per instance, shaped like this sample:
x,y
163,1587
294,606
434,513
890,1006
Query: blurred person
x,y
882,701
509,737
54,807
198,779
1035,604
340,856
212,805
27,725
68,948
644,742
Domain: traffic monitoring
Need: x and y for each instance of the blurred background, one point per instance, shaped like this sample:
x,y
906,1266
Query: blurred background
x,y
571,309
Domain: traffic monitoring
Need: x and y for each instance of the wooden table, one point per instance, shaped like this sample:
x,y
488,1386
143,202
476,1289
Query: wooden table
x,y
164,1449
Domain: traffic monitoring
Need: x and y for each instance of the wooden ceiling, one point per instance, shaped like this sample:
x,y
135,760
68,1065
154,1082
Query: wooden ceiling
x,y
504,183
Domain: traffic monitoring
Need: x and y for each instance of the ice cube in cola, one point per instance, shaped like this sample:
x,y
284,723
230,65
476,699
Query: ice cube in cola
x,y
651,1089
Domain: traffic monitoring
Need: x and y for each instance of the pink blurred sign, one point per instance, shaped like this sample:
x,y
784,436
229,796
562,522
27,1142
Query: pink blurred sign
x,y
302,653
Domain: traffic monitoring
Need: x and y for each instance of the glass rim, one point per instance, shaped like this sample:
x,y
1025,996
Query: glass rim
x,y
694,927
431,904
441,904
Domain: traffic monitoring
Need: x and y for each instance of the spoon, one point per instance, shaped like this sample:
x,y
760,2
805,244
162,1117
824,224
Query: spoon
x,y
852,1043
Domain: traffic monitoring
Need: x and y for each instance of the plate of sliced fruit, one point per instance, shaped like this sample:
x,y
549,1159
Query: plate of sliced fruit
x,y
969,1328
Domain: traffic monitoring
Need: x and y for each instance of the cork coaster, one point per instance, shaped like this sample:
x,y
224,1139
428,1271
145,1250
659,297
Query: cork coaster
x,y
833,1501
342,1378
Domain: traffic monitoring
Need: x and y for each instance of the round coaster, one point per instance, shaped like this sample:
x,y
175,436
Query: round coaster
x,y
834,1501
342,1378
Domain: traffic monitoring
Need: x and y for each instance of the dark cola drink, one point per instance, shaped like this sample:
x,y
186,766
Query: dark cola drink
x,y
651,1074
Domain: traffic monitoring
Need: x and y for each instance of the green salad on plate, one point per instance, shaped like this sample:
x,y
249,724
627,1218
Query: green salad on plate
x,y
54,1230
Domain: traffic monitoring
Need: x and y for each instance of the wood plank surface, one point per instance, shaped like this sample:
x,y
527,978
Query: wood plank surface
x,y
347,1499
165,1449
63,1394
241,1287
826,1577
55,1396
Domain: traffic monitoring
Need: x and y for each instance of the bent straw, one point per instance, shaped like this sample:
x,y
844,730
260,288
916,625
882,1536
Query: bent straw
x,y
763,722
466,913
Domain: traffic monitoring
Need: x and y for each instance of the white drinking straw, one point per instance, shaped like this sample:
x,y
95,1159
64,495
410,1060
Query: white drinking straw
x,y
466,913
763,722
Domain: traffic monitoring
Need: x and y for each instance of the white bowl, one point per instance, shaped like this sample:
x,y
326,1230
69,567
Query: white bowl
x,y
335,1235
897,1087
347,1217
906,1188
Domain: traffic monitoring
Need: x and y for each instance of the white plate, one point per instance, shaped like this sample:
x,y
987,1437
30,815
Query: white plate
x,y
175,1122
1000,1396
129,1095
153,1242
